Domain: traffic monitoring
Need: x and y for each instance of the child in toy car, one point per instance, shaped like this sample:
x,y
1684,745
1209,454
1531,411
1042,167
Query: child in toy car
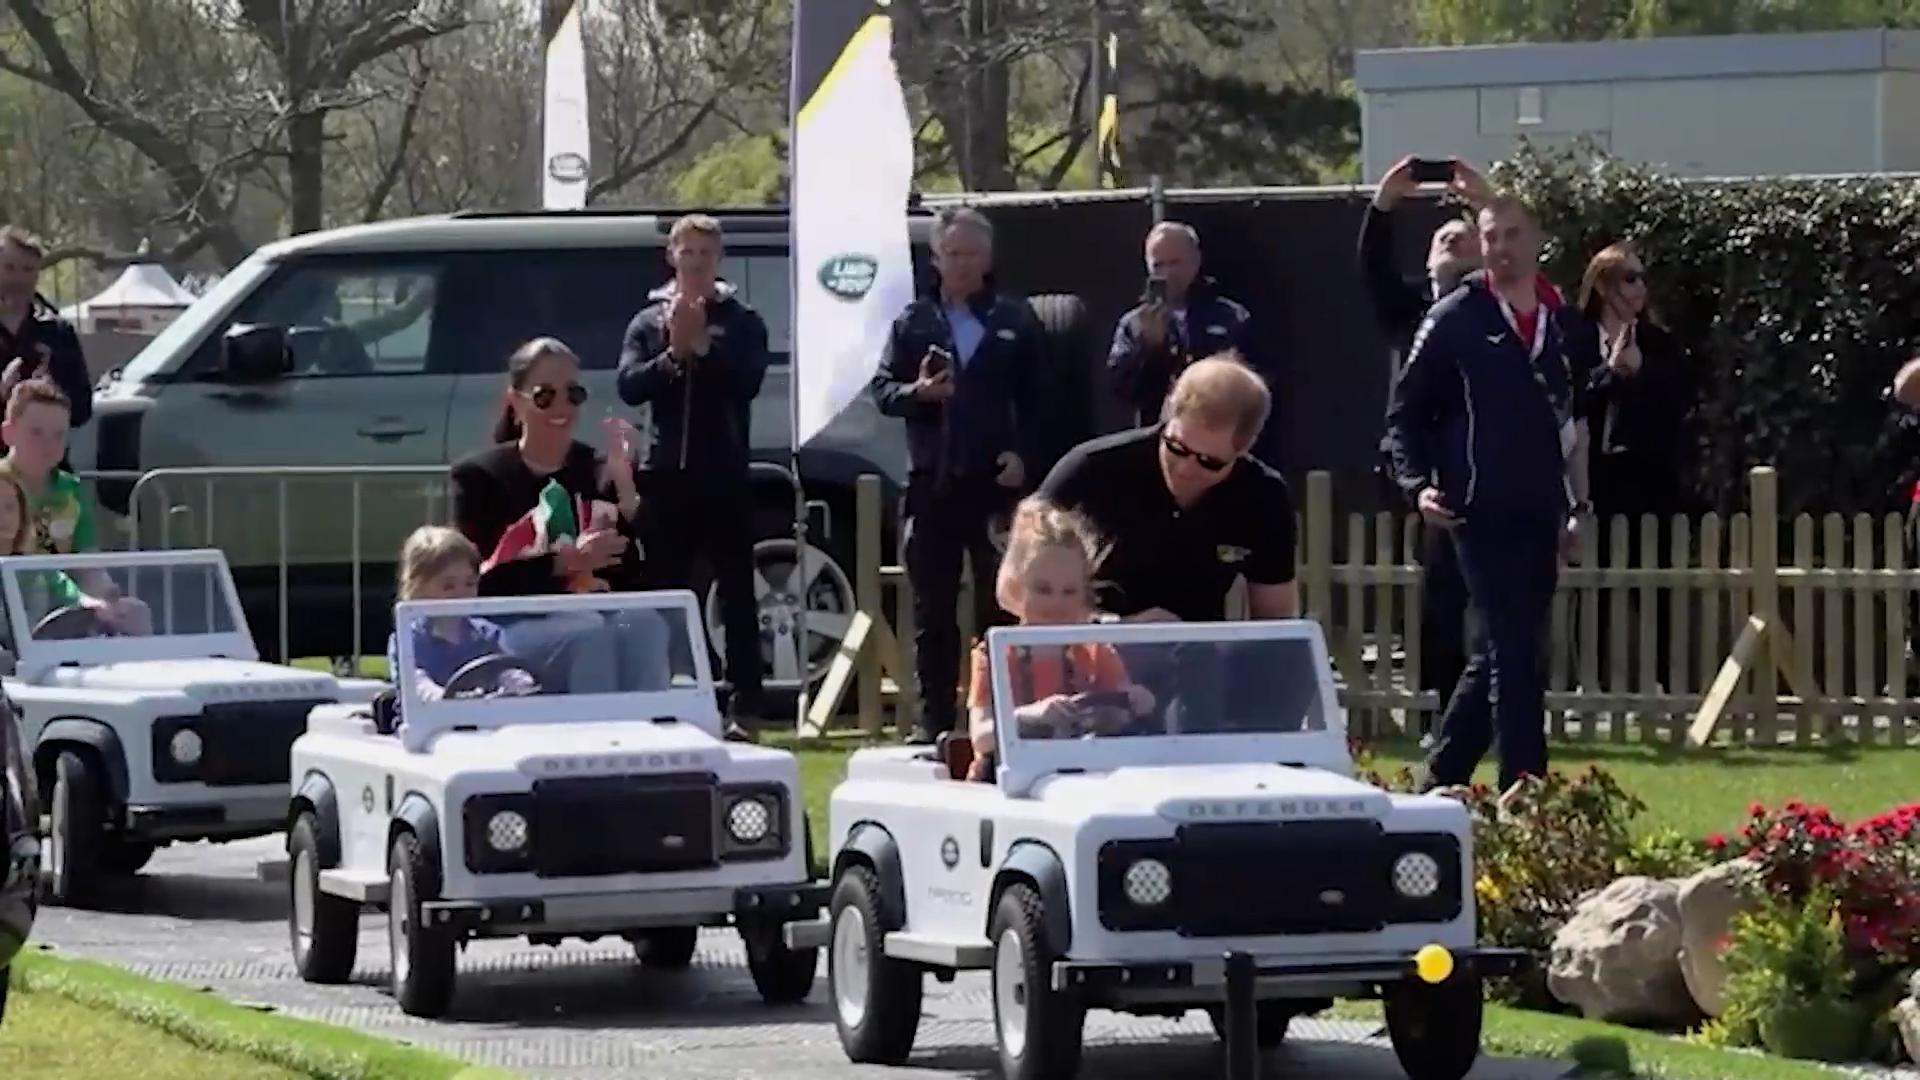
x,y
438,563
1046,579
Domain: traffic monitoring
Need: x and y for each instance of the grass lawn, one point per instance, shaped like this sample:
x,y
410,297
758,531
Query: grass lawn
x,y
1603,1050
1697,792
51,1038
90,1004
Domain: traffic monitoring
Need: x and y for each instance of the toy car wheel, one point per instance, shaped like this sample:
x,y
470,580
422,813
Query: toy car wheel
x,y
1037,1027
1269,1027
325,929
73,838
876,999
669,948
422,957
1435,1029
783,976
125,857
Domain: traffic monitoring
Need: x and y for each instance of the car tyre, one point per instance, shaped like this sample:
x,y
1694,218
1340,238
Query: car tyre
x,y
421,956
325,930
1037,1028
1435,1029
669,948
783,976
1271,1021
876,999
73,840
125,857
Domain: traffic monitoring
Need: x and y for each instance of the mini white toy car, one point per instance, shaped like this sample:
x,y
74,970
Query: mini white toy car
x,y
160,726
1174,826
510,798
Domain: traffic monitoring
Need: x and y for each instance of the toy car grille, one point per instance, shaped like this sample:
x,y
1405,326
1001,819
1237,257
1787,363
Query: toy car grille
x,y
242,742
590,826
1311,877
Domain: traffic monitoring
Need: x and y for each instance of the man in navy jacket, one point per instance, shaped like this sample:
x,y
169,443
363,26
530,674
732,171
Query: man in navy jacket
x,y
35,342
961,368
697,355
1182,318
1485,440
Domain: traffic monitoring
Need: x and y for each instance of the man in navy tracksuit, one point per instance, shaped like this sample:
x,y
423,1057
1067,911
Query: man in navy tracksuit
x,y
1484,442
961,368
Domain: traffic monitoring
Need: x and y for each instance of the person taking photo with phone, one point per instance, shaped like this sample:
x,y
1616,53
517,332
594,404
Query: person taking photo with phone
x,y
962,368
1181,317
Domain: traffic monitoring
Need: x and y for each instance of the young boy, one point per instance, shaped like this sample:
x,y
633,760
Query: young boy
x,y
35,433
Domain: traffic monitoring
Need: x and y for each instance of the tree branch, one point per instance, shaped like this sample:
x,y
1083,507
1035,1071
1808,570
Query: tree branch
x,y
625,172
402,143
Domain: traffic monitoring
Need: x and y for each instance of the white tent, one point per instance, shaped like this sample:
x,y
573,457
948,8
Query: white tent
x,y
143,300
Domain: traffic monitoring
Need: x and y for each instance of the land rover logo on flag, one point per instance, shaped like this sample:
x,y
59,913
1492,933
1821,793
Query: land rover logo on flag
x,y
568,168
849,276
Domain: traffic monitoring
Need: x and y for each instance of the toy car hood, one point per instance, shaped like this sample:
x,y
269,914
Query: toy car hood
x,y
208,681
588,749
1189,793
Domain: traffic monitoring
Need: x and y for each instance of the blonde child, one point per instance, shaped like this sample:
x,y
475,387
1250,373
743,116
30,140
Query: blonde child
x,y
1046,579
438,563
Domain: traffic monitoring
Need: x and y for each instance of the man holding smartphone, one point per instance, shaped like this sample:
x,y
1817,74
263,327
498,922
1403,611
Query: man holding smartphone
x,y
1181,317
962,368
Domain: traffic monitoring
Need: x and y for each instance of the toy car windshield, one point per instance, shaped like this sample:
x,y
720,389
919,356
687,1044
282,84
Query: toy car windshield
x,y
522,659
1156,685
134,605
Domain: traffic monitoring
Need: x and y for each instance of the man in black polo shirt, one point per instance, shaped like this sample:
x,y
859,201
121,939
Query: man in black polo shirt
x,y
1183,509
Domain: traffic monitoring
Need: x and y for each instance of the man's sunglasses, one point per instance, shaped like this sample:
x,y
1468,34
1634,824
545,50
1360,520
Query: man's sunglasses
x,y
542,396
1182,450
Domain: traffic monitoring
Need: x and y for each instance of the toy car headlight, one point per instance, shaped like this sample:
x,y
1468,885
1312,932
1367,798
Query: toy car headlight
x,y
749,819
1148,883
507,831
185,746
1416,875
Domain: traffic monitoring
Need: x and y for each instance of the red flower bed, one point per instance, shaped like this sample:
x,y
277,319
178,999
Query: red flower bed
x,y
1869,867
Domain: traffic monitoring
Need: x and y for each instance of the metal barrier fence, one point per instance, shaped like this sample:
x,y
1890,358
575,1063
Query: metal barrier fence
x,y
199,506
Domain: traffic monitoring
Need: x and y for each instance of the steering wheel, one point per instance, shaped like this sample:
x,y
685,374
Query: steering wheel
x,y
479,675
70,623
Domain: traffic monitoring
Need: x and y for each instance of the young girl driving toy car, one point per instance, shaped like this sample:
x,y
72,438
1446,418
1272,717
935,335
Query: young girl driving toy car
x,y
1046,580
438,563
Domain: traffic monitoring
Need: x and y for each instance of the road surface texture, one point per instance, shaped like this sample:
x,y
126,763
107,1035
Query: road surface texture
x,y
588,1012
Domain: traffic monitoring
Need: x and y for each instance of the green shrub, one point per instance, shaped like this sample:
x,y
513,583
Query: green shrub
x,y
1797,299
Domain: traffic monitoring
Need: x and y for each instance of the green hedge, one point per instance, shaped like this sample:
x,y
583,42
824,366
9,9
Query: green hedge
x,y
1798,299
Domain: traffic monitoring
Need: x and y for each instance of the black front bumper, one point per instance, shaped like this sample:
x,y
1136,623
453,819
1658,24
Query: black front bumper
x,y
193,821
1210,978
607,913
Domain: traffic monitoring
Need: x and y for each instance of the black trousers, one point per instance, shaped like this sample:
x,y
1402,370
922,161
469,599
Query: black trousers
x,y
696,517
943,525
1443,618
1511,565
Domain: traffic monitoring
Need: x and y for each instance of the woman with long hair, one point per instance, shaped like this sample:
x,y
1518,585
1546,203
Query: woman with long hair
x,y
1640,390
496,488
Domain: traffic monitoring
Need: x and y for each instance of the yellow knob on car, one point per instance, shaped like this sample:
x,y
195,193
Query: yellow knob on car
x,y
1434,964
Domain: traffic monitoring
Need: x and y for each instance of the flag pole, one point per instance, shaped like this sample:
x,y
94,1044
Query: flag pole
x,y
802,597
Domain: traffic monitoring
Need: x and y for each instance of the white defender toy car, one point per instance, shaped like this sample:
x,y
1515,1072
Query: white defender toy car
x,y
1174,826
149,715
503,800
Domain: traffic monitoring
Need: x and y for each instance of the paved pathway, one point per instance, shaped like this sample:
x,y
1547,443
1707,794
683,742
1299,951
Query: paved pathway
x,y
588,1012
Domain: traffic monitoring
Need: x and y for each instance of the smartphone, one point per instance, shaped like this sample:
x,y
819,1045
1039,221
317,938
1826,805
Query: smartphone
x,y
938,360
1432,170
1157,290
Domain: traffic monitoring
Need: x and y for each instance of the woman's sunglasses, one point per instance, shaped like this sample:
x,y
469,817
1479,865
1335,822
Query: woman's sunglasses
x,y
542,396
1182,450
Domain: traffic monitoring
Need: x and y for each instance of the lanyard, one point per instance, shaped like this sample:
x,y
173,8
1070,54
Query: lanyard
x,y
1539,326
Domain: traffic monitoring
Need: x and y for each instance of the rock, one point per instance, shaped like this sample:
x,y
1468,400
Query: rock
x,y
1906,1017
1618,957
1708,902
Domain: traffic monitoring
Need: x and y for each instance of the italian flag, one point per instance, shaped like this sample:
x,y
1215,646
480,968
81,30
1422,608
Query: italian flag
x,y
555,517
